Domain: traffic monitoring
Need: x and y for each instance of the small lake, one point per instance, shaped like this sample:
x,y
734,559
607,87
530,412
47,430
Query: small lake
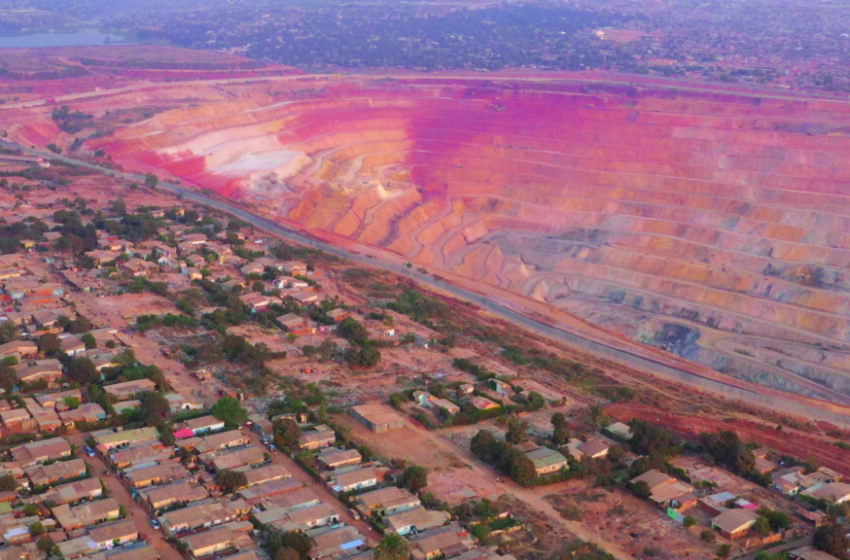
x,y
73,39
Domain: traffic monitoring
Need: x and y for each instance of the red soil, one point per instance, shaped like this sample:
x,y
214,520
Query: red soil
x,y
786,440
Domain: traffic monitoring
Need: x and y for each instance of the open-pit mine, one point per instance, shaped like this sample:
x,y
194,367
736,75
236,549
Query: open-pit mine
x,y
706,222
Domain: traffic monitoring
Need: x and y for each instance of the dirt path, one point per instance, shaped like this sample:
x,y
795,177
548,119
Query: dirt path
x,y
321,491
134,511
446,459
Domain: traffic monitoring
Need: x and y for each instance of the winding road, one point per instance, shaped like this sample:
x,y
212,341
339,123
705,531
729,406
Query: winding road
x,y
525,312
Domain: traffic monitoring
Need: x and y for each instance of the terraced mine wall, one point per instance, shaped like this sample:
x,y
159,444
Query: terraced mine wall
x,y
711,224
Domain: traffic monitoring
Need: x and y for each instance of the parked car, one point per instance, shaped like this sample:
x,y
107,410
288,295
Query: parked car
x,y
154,523
89,451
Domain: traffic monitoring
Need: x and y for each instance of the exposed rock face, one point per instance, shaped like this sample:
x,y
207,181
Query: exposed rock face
x,y
712,224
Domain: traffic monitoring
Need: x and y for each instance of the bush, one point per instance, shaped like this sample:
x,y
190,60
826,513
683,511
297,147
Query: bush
x,y
707,535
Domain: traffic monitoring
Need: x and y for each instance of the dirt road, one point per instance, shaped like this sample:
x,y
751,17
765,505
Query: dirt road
x,y
321,491
433,451
134,511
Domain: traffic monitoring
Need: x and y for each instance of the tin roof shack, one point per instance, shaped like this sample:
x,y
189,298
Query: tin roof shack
x,y
292,500
233,460
19,349
89,513
180,492
546,460
266,473
334,542
85,489
734,523
449,541
112,534
220,441
49,371
416,520
266,490
125,390
834,492
145,552
663,488
107,439
378,417
209,542
87,412
156,474
145,452
41,451
302,519
261,425
810,553
386,501
46,418
320,436
203,514
199,426
60,471
18,421
352,480
332,457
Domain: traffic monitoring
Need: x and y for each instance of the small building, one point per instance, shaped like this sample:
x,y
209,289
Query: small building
x,y
593,448
810,553
83,515
199,426
202,515
834,493
261,425
482,403
209,542
320,436
71,492
232,460
416,520
41,451
546,461
388,500
180,492
107,439
49,371
156,474
109,535
128,389
332,458
221,441
354,480
734,523
378,417
450,540
60,471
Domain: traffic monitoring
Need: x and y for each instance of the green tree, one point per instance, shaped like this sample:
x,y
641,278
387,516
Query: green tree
x,y
392,547
231,480
521,469
151,180
724,550
832,539
83,371
48,344
229,410
8,331
155,408
89,341
352,330
36,529
286,434
762,526
641,489
414,478
8,483
483,445
689,521
45,544
516,430
481,532
72,402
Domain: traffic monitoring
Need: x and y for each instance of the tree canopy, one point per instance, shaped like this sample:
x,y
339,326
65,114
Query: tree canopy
x,y
229,410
